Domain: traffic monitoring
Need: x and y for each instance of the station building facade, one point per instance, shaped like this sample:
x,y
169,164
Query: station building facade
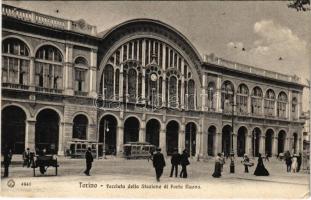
x,y
141,80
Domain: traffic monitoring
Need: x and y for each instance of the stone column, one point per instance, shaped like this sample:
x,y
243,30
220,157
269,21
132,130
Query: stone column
x,y
61,139
68,77
248,144
262,145
67,134
289,105
162,141
142,132
287,143
93,66
218,95
164,75
235,144
275,146
121,76
32,75
181,138
204,88
120,133
198,142
182,96
249,105
143,87
30,134
218,145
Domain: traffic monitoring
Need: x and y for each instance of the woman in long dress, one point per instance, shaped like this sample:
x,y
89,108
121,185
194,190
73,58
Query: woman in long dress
x,y
217,171
260,169
294,164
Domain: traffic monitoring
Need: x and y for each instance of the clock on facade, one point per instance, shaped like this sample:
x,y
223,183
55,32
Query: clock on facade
x,y
153,77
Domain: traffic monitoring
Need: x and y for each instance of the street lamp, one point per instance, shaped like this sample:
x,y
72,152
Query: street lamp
x,y
231,100
106,130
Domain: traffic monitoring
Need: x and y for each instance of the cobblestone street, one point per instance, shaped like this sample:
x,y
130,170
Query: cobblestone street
x,y
117,172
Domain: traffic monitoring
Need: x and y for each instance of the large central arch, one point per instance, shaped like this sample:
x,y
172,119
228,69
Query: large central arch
x,y
152,48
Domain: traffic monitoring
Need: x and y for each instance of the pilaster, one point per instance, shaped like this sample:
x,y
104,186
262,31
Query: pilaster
x,y
30,134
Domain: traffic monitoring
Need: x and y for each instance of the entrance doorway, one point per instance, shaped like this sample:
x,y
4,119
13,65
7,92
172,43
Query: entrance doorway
x,y
13,129
47,131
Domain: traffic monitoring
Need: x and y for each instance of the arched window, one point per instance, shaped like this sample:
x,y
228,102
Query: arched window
x,y
242,99
294,107
211,104
49,70
191,95
269,103
117,84
172,91
108,81
79,130
132,83
227,93
15,62
80,69
256,103
282,102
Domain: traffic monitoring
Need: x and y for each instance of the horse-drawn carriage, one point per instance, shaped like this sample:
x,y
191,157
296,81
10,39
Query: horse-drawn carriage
x,y
43,162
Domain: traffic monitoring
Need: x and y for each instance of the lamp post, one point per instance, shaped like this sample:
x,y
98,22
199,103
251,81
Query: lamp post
x,y
106,130
232,166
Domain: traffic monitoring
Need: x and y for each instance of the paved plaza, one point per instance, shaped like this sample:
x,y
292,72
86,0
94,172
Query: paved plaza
x,y
117,177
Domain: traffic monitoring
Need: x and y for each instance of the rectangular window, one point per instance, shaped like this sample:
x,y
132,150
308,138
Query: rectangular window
x,y
79,80
5,73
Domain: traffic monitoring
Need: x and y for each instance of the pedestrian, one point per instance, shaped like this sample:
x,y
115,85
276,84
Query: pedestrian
x,y
158,163
184,161
217,170
299,159
260,169
267,157
42,153
150,157
7,157
175,161
246,163
222,161
89,159
26,158
294,164
288,161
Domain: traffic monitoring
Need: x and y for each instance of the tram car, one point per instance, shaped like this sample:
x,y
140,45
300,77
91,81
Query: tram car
x,y
138,150
77,149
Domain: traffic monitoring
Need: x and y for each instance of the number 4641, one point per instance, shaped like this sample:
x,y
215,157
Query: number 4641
x,y
26,184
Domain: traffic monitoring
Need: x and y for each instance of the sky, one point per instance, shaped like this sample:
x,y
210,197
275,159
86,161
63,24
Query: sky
x,y
274,36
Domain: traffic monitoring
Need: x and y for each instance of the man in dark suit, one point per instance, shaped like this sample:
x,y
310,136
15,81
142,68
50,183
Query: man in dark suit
x,y
89,160
175,161
184,162
7,157
26,158
158,163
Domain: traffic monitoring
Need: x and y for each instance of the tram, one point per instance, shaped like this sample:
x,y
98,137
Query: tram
x,y
137,150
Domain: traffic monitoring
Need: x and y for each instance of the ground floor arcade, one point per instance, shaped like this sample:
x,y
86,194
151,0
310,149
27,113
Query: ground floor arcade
x,y
52,128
